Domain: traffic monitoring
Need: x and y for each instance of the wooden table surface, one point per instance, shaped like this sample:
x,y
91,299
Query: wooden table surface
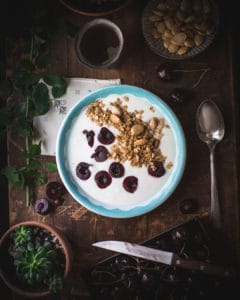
x,y
137,67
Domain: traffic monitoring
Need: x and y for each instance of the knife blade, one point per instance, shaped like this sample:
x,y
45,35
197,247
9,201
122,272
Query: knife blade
x,y
165,257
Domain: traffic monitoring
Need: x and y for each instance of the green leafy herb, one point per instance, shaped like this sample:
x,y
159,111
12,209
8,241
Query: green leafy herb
x,y
34,87
52,167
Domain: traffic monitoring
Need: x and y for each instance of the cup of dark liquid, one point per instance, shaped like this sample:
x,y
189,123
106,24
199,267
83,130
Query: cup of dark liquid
x,y
99,44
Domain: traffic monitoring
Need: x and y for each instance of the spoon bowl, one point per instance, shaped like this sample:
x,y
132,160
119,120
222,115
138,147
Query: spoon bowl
x,y
211,129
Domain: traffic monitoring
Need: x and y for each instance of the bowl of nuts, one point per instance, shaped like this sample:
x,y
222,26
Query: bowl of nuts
x,y
179,29
121,151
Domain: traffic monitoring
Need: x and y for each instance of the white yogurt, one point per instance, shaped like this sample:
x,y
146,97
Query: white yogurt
x,y
115,196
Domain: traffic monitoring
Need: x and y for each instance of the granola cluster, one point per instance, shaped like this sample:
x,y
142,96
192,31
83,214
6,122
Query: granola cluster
x,y
137,141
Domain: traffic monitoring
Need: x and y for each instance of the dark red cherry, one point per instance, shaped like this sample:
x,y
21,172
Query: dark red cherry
x,y
90,137
57,201
54,190
188,206
82,171
41,206
100,154
103,179
105,136
157,169
130,184
116,170
165,71
180,235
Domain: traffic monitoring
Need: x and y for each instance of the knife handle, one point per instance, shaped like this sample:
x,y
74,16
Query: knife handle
x,y
207,268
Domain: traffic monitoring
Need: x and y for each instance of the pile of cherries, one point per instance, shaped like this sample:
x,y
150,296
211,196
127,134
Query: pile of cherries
x,y
127,277
115,170
54,197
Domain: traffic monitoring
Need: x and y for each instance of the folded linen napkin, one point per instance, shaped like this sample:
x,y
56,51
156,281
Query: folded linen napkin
x,y
47,126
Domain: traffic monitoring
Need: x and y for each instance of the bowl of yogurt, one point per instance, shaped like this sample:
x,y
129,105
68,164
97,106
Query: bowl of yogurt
x,y
121,151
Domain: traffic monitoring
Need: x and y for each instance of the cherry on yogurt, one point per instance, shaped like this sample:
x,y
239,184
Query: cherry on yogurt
x,y
100,154
90,136
130,184
116,170
103,179
157,169
82,170
105,136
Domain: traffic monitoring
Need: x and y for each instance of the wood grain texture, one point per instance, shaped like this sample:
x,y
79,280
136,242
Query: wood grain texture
x,y
138,66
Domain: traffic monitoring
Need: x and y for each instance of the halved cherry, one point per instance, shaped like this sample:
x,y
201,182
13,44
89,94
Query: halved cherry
x,y
54,190
130,184
100,154
41,206
116,170
157,169
82,170
105,136
103,179
90,137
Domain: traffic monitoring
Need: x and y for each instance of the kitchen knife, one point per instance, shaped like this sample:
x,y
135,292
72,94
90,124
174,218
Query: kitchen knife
x,y
164,257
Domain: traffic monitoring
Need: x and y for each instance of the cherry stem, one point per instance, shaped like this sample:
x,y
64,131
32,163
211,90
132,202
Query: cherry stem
x,y
203,70
200,78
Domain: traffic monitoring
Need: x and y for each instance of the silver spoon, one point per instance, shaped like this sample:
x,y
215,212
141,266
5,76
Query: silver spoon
x,y
210,129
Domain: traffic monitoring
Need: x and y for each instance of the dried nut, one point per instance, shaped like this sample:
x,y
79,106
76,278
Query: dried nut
x,y
167,33
140,142
198,39
115,119
161,27
189,19
180,38
189,43
162,6
173,48
137,129
180,16
153,123
182,50
175,29
160,125
158,135
116,110
166,43
169,23
186,5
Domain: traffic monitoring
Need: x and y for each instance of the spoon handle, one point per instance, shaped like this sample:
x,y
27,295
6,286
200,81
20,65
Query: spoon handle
x,y
215,213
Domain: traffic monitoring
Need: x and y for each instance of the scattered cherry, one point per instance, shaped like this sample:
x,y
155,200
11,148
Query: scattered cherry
x,y
103,179
178,95
130,184
57,201
54,190
165,71
82,171
116,170
90,136
188,206
157,169
100,154
105,136
41,206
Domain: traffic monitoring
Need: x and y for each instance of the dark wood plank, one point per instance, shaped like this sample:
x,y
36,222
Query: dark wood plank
x,y
138,67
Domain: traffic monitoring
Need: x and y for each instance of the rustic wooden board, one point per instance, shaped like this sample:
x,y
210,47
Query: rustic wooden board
x,y
138,67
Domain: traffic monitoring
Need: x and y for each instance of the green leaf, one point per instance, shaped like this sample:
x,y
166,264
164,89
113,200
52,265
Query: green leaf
x,y
43,60
54,80
6,89
21,126
27,65
34,150
58,91
71,29
40,178
51,167
15,176
41,99
20,108
34,165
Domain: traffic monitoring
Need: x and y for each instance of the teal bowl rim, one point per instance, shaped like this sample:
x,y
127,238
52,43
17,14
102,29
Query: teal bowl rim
x,y
179,137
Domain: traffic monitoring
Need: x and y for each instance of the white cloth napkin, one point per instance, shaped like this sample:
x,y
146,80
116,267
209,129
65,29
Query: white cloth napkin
x,y
47,126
